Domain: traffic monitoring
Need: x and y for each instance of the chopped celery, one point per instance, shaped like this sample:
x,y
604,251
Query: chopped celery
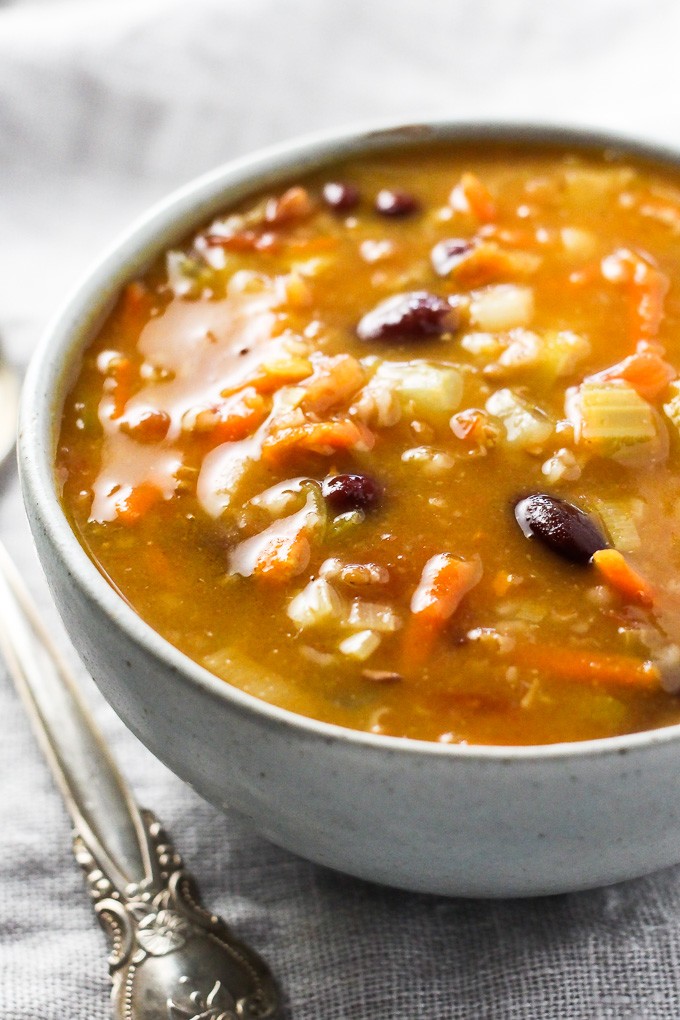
x,y
619,517
360,645
525,426
615,421
549,356
433,390
344,524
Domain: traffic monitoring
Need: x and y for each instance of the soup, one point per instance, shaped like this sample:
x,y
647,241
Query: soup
x,y
396,446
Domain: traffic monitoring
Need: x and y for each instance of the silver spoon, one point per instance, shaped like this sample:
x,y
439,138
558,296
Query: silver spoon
x,y
170,959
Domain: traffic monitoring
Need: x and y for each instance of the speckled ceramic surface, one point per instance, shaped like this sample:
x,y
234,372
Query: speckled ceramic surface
x,y
446,819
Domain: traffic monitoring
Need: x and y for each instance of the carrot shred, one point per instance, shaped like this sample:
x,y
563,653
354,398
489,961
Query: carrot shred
x,y
621,576
585,666
646,371
122,385
647,287
323,437
471,195
443,584
270,377
135,306
137,502
283,558
335,381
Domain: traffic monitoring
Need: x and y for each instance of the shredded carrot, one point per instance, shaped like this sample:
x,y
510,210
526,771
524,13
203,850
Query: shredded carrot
x,y
443,584
131,507
647,285
271,376
646,371
323,437
335,381
621,576
135,306
230,421
283,558
470,195
588,667
122,385
487,262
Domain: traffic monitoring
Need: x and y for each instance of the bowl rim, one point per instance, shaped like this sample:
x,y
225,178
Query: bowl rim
x,y
190,205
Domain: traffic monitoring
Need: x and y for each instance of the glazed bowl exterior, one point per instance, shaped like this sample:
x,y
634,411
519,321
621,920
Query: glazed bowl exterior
x,y
455,820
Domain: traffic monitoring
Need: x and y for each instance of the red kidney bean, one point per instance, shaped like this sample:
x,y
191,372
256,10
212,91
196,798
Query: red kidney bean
x,y
340,196
561,526
415,315
351,492
393,202
446,255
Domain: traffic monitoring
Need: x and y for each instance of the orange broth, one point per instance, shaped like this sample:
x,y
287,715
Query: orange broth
x,y
530,349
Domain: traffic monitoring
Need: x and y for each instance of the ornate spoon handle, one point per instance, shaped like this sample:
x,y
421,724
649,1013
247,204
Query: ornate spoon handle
x,y
170,959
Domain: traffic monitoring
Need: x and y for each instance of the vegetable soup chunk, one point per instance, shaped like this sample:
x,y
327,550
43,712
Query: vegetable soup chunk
x,y
397,445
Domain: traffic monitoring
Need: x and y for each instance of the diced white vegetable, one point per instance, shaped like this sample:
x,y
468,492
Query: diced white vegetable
x,y
431,388
613,420
552,354
372,616
355,575
376,251
493,638
525,427
360,645
501,306
433,462
561,467
317,603
318,657
619,518
578,242
377,404
482,345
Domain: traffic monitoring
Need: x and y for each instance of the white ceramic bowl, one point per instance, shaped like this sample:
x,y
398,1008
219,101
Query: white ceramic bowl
x,y
470,821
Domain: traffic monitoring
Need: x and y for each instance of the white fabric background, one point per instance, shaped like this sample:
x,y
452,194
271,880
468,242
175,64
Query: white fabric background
x,y
104,106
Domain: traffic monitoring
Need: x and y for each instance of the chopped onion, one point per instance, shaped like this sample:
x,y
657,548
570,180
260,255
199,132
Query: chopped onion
x,y
501,306
526,427
372,616
360,645
317,603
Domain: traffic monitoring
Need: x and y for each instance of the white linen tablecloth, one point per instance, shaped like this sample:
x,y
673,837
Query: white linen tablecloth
x,y
104,106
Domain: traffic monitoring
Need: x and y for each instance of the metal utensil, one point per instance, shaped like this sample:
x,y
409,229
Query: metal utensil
x,y
170,959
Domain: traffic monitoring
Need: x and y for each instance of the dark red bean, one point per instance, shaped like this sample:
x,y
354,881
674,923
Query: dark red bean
x,y
561,526
446,255
341,196
411,316
351,492
392,202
